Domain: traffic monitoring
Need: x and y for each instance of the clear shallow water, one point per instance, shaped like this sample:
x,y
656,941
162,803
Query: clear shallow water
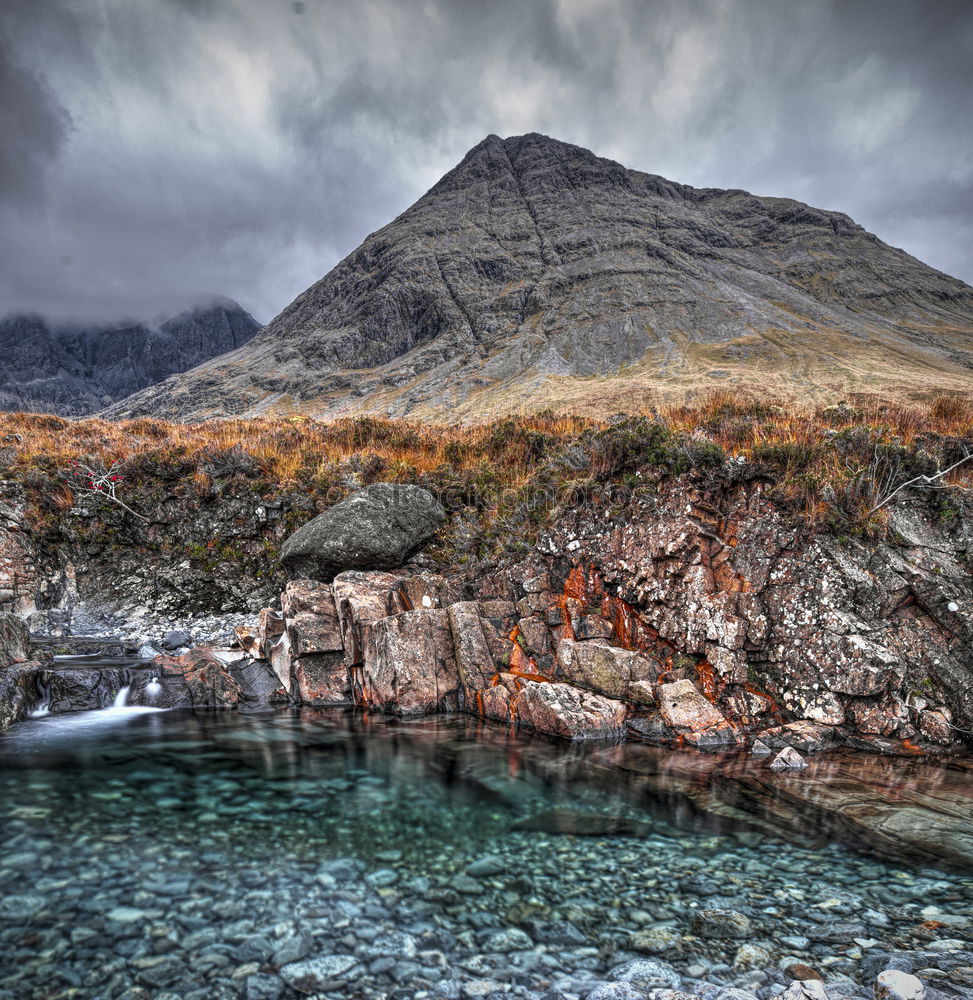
x,y
174,855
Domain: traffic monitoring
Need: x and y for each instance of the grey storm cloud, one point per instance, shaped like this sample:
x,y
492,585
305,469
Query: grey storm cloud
x,y
155,152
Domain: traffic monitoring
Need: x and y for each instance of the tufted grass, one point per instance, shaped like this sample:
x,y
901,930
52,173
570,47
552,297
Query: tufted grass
x,y
829,465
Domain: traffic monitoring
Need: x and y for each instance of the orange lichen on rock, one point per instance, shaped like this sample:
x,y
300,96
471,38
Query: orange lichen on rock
x,y
775,709
586,587
521,663
625,623
709,683
582,584
716,549
360,693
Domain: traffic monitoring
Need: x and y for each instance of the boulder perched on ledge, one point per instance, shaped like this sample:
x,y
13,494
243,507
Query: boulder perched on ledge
x,y
379,527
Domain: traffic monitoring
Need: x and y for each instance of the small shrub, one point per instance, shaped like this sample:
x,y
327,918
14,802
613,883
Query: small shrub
x,y
630,444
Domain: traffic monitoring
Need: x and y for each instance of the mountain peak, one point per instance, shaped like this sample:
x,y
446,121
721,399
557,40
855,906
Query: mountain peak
x,y
536,142
494,157
537,273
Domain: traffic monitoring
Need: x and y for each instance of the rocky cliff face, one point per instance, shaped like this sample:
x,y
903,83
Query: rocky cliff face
x,y
536,272
689,617
685,610
75,370
579,579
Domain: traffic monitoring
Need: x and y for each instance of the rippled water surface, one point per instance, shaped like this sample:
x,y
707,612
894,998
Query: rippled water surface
x,y
176,855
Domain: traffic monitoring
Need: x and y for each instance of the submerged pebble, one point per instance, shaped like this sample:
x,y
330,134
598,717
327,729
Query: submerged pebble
x,y
319,854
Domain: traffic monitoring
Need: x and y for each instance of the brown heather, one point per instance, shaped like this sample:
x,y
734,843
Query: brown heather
x,y
829,465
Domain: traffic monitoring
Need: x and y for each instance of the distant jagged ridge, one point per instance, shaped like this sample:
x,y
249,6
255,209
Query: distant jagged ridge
x,y
74,369
536,273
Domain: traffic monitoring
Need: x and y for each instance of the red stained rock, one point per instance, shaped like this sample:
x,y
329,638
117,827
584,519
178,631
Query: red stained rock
x,y
493,703
803,735
826,708
935,727
208,682
246,639
362,597
563,710
683,707
875,718
270,626
474,657
321,679
408,663
535,635
426,590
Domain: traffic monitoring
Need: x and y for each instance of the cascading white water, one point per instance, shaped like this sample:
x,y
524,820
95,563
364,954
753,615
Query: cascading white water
x,y
122,697
44,707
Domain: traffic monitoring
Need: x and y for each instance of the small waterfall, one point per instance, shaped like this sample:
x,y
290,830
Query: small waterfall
x,y
44,704
122,697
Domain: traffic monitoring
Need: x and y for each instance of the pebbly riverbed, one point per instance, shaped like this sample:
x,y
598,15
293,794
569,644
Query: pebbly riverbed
x,y
176,856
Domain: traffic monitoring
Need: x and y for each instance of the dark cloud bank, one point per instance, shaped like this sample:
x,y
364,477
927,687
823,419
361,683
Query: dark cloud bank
x,y
155,151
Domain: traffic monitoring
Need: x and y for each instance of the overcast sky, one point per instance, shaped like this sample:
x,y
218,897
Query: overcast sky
x,y
155,151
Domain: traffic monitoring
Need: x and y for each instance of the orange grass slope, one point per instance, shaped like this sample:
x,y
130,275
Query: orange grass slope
x,y
813,453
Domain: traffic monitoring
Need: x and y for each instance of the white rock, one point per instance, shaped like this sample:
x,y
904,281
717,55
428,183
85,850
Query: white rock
x,y
329,972
809,989
947,944
895,985
788,760
127,915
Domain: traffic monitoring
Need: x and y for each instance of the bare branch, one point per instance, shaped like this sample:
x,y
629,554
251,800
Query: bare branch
x,y
925,480
100,482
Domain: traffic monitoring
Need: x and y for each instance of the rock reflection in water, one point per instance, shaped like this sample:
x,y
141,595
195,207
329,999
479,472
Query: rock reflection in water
x,y
196,854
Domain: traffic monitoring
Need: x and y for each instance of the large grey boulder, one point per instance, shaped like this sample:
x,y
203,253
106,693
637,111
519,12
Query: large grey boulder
x,y
379,527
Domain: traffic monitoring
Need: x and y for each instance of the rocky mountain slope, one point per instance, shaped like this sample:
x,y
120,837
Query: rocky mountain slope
x,y
536,272
73,370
